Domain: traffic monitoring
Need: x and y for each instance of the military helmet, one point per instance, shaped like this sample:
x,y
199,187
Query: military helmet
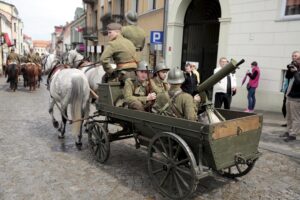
x,y
175,76
161,66
131,17
143,65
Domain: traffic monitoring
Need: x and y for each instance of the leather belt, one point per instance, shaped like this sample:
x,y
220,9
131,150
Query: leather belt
x,y
127,65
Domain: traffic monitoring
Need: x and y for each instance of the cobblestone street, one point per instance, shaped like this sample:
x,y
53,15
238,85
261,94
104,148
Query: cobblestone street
x,y
35,164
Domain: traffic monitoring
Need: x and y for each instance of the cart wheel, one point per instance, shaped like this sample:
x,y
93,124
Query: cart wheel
x,y
98,141
172,165
237,170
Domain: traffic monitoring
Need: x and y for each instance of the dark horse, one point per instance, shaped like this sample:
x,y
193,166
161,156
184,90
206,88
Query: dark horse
x,y
12,72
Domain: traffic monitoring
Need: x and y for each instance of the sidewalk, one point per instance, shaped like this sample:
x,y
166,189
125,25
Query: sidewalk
x,y
270,139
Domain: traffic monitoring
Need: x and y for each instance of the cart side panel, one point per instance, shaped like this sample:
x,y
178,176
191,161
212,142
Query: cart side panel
x,y
238,137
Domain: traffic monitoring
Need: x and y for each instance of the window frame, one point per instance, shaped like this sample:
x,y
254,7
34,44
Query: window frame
x,y
287,17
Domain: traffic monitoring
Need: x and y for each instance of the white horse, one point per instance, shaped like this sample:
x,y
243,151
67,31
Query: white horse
x,y
69,87
93,72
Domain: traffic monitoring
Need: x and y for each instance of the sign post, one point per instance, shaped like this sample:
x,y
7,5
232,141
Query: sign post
x,y
156,39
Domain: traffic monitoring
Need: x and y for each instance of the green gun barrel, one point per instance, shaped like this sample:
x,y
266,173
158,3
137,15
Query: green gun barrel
x,y
211,81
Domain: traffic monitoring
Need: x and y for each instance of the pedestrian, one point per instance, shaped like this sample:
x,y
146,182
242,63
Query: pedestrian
x,y
136,91
252,85
122,52
195,71
293,101
190,83
225,88
286,81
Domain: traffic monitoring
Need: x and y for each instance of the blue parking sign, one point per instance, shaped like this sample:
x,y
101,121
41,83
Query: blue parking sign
x,y
156,37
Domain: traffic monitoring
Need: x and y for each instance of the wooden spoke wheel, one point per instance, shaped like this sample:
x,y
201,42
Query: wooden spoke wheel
x,y
171,165
237,170
98,141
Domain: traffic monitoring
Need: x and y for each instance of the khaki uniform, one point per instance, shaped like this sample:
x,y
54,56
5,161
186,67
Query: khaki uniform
x,y
159,85
122,51
31,57
135,94
13,57
176,103
136,35
37,59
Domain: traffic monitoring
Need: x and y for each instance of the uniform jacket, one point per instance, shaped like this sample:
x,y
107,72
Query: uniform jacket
x,y
135,91
13,57
221,86
159,85
120,50
135,34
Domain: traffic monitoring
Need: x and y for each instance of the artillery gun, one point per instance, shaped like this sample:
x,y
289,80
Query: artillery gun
x,y
213,116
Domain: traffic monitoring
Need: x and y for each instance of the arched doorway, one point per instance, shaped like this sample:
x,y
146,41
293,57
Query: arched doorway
x,y
201,35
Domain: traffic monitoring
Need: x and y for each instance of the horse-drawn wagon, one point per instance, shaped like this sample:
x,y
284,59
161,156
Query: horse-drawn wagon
x,y
180,152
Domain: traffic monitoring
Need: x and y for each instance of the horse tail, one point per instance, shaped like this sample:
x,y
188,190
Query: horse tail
x,y
78,103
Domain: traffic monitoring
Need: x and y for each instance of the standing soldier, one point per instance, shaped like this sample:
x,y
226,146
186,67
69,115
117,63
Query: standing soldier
x,y
136,91
158,82
122,52
134,33
37,59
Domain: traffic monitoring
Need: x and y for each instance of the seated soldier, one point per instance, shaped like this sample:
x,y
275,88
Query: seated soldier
x,y
175,102
136,91
158,82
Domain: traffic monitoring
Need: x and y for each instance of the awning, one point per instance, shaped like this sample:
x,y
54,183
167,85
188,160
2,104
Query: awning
x,y
7,40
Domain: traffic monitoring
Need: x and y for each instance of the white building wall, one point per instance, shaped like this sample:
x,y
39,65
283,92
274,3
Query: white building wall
x,y
258,33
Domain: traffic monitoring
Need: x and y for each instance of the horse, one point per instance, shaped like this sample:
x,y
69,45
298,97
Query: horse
x,y
12,71
69,87
93,72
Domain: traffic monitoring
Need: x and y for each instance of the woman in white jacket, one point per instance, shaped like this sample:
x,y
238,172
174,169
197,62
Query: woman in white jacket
x,y
224,89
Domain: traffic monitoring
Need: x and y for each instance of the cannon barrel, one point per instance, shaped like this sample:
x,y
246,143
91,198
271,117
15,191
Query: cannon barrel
x,y
211,81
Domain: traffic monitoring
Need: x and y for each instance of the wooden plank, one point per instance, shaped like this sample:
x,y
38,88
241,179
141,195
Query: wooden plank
x,y
235,127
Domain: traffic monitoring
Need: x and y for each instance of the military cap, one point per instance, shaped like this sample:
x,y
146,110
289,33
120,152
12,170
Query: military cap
x,y
114,26
131,17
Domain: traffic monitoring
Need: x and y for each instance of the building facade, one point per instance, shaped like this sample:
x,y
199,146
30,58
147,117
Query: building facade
x,y
265,31
40,46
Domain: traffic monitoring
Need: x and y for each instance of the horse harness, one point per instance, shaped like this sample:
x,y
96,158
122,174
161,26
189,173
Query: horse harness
x,y
56,67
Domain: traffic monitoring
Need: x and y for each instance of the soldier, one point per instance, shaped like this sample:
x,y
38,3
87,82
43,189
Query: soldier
x,y
31,56
134,33
158,82
12,58
175,102
136,90
37,59
122,51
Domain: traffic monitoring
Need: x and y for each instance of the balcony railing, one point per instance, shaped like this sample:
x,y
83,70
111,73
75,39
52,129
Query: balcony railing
x,y
90,33
90,1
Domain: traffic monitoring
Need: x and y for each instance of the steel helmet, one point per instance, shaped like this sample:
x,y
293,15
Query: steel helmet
x,y
175,76
143,65
131,17
161,66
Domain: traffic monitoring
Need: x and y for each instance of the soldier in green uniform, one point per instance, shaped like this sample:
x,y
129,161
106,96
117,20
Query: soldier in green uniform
x,y
31,56
158,82
12,58
133,32
37,59
175,102
136,90
122,52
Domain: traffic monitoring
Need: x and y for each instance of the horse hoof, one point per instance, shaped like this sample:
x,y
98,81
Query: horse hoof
x,y
61,137
55,124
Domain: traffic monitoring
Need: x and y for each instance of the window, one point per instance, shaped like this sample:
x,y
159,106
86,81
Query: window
x,y
291,9
135,5
151,4
15,27
102,10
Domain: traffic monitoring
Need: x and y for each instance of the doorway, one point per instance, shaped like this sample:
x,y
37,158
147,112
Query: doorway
x,y
201,35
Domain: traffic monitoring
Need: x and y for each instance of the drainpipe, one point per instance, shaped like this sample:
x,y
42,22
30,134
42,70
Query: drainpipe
x,y
165,24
